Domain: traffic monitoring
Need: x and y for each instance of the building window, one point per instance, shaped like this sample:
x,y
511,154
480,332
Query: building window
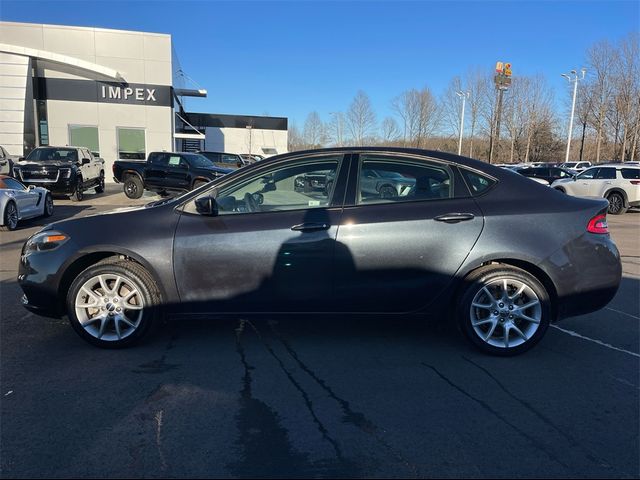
x,y
131,144
85,136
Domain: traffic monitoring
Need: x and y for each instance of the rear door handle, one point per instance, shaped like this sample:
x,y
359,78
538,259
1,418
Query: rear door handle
x,y
454,217
310,227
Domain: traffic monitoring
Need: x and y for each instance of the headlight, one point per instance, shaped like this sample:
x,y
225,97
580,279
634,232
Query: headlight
x,y
16,172
45,241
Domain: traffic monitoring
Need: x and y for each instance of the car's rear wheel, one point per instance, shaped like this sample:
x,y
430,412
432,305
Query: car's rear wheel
x,y
113,303
48,205
133,187
100,186
503,310
10,220
616,204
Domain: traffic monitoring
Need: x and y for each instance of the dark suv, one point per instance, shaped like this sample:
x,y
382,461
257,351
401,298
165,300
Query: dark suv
x,y
62,170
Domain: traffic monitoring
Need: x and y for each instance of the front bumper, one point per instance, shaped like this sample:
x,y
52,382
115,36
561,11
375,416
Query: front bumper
x,y
61,187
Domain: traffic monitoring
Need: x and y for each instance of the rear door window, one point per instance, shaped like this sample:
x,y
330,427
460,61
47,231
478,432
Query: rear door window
x,y
385,179
606,173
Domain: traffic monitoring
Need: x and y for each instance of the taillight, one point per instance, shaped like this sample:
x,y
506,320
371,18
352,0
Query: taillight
x,y
635,182
598,224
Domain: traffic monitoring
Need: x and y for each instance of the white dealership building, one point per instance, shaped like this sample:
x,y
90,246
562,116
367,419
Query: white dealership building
x,y
119,93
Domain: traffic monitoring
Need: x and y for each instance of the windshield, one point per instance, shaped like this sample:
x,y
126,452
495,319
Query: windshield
x,y
54,154
569,164
199,161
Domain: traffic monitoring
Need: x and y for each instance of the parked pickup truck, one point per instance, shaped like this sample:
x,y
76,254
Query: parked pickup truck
x,y
165,173
62,170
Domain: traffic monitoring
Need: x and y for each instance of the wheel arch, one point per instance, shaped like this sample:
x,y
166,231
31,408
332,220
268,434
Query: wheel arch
x,y
619,190
129,173
199,179
528,266
87,259
4,209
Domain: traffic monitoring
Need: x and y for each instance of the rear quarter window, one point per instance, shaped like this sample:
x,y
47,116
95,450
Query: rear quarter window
x,y
477,183
631,173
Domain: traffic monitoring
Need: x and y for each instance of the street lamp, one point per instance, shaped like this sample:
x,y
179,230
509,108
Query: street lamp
x,y
464,96
572,77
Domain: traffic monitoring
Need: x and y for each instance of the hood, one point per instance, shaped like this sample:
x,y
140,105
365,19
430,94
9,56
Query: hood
x,y
563,180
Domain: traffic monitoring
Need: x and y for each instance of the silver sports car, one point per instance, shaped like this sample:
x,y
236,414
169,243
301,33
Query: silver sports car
x,y
18,202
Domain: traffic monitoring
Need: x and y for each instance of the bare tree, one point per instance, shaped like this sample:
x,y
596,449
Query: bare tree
x,y
294,138
475,81
405,105
336,129
361,119
600,57
314,131
451,104
389,130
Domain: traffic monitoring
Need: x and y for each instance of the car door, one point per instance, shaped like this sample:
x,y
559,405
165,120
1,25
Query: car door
x,y
177,173
582,184
397,253
269,248
155,170
602,181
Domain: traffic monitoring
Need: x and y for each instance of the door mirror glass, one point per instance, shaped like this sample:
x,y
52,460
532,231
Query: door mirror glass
x,y
31,187
85,161
207,206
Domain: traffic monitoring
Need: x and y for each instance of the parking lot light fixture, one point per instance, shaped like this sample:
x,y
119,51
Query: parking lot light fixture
x,y
572,77
464,96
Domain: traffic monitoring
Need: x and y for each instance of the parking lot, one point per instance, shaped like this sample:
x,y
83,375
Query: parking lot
x,y
317,397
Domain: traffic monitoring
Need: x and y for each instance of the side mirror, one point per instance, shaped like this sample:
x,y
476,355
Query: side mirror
x,y
86,161
207,206
21,159
31,187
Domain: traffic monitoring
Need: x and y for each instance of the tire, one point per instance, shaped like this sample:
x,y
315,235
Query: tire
x,y
78,193
500,326
198,184
48,206
133,187
100,186
121,327
616,204
10,217
387,191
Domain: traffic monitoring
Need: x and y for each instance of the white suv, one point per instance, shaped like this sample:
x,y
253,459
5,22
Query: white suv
x,y
619,183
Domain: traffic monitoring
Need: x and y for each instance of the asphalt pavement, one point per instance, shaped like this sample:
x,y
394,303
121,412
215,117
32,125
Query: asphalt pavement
x,y
317,397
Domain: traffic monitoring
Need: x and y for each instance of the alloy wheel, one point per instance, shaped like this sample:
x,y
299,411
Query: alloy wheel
x,y
109,307
11,216
48,205
615,203
505,313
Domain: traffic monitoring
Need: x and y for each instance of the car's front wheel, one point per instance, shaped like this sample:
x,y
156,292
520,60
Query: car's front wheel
x,y
78,193
503,310
100,185
113,303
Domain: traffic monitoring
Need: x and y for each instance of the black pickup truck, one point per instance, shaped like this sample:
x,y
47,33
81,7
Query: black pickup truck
x,y
165,173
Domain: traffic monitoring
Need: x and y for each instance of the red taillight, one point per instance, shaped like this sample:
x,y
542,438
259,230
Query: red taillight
x,y
598,224
635,182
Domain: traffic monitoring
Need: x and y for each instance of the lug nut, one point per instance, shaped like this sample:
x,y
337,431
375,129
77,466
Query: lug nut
x,y
495,312
106,300
501,304
510,316
102,308
115,300
510,307
118,309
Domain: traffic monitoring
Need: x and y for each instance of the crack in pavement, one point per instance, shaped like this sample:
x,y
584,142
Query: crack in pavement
x,y
305,396
496,414
350,416
572,441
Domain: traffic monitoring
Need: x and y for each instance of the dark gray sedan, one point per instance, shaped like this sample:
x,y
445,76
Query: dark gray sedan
x,y
459,240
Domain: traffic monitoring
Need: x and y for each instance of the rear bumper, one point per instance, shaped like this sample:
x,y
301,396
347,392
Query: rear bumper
x,y
587,273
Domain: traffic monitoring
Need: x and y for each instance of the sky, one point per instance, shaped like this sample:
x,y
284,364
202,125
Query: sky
x,y
291,58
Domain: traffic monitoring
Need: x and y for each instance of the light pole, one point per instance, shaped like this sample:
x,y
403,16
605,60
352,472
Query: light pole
x,y
572,77
464,96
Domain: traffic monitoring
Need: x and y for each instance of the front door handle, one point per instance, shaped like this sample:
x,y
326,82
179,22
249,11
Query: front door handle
x,y
310,227
454,217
